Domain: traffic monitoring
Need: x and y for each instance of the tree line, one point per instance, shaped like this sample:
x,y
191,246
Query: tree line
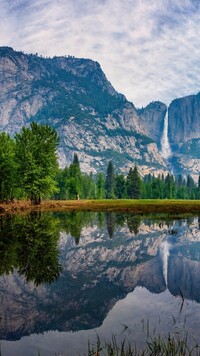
x,y
29,169
74,184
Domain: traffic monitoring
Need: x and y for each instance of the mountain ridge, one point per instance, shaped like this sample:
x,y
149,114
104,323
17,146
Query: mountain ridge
x,y
92,119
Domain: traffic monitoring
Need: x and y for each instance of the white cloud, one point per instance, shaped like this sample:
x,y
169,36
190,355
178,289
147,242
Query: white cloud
x,y
149,49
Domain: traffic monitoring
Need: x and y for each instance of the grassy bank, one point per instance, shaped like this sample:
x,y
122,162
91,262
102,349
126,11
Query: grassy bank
x,y
128,205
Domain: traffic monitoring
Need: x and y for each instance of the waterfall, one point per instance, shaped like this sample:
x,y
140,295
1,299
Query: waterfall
x,y
165,146
164,251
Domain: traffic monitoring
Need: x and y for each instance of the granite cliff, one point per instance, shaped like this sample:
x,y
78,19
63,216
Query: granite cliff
x,y
74,96
184,134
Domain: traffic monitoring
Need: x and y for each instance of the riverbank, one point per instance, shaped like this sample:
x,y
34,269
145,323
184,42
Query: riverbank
x,y
117,205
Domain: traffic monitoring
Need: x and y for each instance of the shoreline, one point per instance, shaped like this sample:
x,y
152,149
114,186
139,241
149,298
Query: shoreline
x,y
118,205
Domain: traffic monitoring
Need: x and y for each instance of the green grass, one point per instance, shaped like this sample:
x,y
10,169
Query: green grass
x,y
133,206
149,206
173,345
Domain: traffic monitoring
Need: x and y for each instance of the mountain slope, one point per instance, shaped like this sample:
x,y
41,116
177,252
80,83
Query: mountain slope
x,y
74,96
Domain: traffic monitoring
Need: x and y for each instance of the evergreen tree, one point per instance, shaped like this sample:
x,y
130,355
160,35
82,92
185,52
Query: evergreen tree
x,y
100,186
110,181
198,188
170,187
120,186
74,180
133,184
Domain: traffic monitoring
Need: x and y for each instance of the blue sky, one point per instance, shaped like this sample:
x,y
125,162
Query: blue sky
x,y
148,49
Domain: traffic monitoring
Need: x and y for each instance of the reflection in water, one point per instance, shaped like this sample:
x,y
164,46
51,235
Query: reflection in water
x,y
133,223
29,244
164,250
102,262
110,223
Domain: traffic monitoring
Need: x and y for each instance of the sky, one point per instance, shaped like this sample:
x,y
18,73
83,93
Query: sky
x,y
148,49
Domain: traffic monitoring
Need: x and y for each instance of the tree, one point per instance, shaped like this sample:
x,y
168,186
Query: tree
x,y
100,186
133,184
74,180
61,183
120,186
36,160
110,181
7,167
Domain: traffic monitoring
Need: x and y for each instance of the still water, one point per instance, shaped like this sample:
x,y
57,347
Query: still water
x,y
66,277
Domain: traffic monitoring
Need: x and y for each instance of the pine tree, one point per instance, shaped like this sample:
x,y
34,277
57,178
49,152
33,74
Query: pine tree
x,y
110,181
133,184
100,186
74,181
120,186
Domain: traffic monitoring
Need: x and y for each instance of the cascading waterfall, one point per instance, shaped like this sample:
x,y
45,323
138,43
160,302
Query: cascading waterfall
x,y
164,251
165,146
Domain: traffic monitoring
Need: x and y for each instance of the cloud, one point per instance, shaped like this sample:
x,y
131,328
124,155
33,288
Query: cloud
x,y
149,49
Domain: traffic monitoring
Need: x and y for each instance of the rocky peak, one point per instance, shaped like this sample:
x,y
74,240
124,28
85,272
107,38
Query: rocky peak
x,y
74,96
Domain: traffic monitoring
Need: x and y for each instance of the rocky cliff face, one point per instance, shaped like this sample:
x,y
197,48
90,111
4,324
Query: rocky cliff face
x,y
184,120
184,134
152,120
74,96
93,120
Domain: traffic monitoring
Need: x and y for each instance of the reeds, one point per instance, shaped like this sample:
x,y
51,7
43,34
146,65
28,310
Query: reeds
x,y
173,345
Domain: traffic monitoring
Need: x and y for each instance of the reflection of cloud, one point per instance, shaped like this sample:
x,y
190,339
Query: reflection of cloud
x,y
149,49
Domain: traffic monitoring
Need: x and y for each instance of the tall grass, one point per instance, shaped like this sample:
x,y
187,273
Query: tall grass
x,y
158,346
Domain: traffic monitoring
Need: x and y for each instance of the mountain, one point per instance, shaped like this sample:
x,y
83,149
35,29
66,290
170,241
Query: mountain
x,y
74,96
93,120
184,133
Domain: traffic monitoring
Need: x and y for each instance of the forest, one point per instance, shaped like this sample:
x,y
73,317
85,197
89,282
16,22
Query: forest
x,y
29,170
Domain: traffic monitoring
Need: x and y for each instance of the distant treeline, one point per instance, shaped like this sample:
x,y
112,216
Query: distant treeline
x,y
74,184
29,169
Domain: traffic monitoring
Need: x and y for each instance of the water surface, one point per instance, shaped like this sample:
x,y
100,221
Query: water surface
x,y
67,276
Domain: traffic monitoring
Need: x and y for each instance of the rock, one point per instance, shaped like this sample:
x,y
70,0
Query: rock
x,y
184,122
74,96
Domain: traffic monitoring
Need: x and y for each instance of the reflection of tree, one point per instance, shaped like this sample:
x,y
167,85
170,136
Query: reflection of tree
x,y
110,222
120,219
190,220
101,219
133,223
29,244
74,222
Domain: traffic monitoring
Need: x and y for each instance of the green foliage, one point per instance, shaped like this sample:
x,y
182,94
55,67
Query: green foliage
x,y
29,244
7,167
133,184
110,181
100,186
36,160
120,186
28,168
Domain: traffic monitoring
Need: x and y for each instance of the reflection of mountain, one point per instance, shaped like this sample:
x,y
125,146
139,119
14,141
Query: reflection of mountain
x,y
95,274
184,277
